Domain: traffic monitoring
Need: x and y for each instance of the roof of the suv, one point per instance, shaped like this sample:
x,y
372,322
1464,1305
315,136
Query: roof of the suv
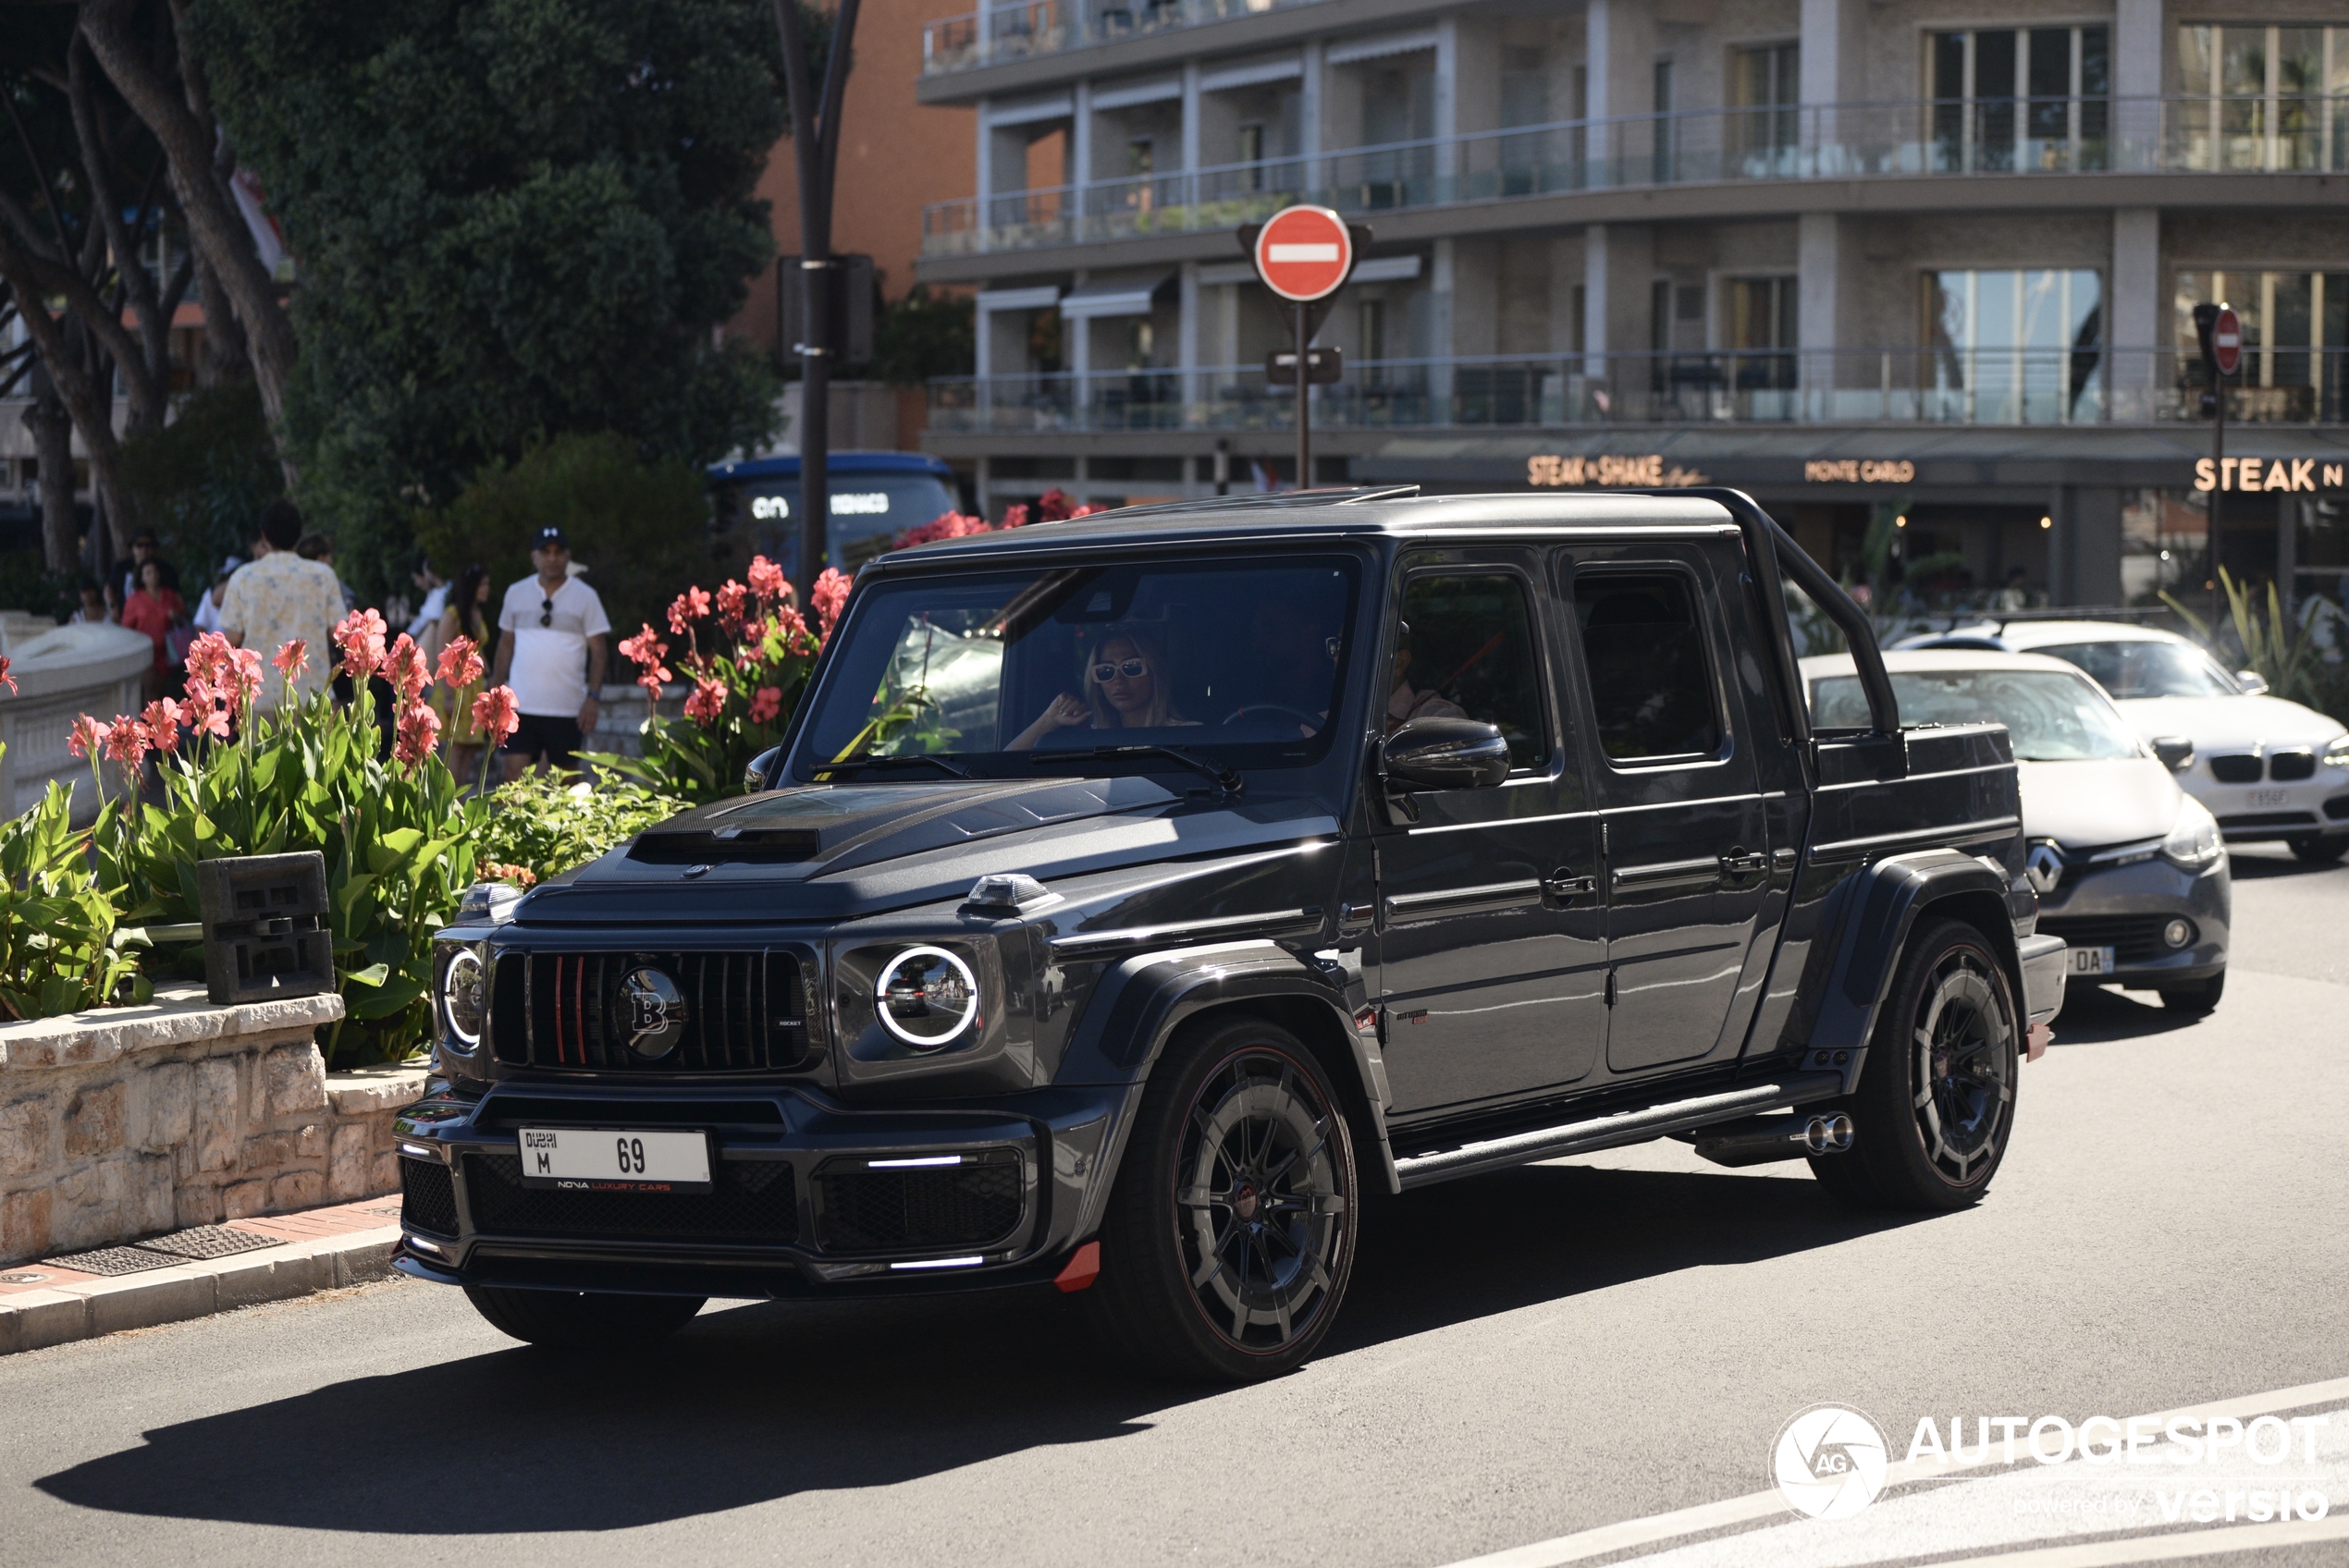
x,y
1335,514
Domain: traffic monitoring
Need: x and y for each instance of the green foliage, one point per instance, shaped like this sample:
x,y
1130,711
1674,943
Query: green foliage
x,y
27,583
202,479
925,336
515,218
61,949
2290,653
643,530
397,840
547,827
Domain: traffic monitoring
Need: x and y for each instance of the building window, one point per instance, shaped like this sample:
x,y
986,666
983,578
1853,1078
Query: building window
x,y
1252,155
2295,337
1761,332
1765,87
2020,99
1372,340
1667,141
2015,348
2263,97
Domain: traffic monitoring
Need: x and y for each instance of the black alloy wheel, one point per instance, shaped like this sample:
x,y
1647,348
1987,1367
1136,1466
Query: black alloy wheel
x,y
2317,848
1935,1102
583,1319
1231,1231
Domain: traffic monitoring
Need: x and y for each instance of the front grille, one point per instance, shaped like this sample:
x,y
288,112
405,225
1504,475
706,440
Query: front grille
x,y
2337,808
2254,821
744,1011
2133,938
2290,767
427,1197
748,1201
970,1204
2235,769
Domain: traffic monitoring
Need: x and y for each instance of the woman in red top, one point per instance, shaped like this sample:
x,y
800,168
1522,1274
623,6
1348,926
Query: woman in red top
x,y
155,609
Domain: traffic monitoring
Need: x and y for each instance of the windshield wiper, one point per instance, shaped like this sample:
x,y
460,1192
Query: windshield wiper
x,y
1227,779
857,765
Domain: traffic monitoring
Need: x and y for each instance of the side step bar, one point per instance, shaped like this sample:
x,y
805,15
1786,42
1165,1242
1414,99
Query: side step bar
x,y
1615,1131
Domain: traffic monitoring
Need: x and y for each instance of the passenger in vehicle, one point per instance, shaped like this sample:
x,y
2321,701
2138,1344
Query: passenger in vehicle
x,y
1405,702
1128,685
1296,657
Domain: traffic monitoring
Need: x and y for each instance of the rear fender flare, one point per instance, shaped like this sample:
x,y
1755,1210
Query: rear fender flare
x,y
1884,905
1142,1001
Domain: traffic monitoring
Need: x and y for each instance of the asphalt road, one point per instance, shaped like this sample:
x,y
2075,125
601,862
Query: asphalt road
x,y
1522,1357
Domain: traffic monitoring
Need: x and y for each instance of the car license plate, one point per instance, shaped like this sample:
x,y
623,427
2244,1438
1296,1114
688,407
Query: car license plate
x,y
613,1159
2271,797
2092,961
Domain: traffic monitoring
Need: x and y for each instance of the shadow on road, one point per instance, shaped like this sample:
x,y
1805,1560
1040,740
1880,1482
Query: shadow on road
x,y
2094,1016
2262,863
766,1401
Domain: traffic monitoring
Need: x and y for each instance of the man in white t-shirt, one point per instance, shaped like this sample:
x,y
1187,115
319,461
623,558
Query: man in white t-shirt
x,y
552,645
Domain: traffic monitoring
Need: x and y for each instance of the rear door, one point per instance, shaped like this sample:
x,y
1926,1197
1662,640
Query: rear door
x,y
1684,832
1492,942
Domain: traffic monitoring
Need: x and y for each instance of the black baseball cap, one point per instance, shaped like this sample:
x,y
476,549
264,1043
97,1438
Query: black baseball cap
x,y
550,534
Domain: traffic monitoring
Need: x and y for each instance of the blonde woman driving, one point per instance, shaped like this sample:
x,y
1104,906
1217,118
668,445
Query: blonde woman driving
x,y
1127,686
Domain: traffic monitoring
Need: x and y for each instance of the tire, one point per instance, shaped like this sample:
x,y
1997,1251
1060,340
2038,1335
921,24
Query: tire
x,y
2317,848
1230,1229
1935,1105
583,1319
2197,999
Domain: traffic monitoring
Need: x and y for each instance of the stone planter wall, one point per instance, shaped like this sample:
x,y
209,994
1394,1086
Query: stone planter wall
x,y
128,1122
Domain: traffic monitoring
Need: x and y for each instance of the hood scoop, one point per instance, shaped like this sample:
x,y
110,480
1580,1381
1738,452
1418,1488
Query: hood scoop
x,y
743,842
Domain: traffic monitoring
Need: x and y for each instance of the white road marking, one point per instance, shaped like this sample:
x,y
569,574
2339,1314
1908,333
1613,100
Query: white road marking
x,y
1583,1545
2165,1549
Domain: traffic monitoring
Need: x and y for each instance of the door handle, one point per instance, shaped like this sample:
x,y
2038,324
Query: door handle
x,y
1561,883
1741,861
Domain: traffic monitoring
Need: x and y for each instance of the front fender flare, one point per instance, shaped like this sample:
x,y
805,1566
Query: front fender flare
x,y
1882,906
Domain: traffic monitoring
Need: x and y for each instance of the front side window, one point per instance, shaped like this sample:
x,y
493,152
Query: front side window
x,y
998,671
1466,649
2146,669
2051,716
1650,685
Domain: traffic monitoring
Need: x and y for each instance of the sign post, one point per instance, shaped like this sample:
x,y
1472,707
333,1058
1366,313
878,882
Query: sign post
x,y
1304,254
2222,333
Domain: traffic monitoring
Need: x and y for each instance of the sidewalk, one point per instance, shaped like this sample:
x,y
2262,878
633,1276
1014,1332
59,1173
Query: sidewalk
x,y
267,1260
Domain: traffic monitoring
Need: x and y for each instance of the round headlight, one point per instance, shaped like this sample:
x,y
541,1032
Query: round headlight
x,y
2337,752
2178,932
2195,842
927,996
462,986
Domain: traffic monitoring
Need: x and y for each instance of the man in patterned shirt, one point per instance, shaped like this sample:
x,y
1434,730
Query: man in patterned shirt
x,y
280,597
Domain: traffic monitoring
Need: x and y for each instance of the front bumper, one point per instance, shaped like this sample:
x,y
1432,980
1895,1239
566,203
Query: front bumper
x,y
2125,907
808,1197
2267,810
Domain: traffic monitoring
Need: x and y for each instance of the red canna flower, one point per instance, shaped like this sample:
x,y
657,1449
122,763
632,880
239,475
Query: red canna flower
x,y
831,594
459,663
732,599
691,605
244,668
291,658
404,668
418,732
359,635
126,743
494,715
162,718
6,679
707,703
767,578
87,738
208,658
765,703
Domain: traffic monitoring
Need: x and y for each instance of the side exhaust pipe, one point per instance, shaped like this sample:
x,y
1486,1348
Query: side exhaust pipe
x,y
1759,1140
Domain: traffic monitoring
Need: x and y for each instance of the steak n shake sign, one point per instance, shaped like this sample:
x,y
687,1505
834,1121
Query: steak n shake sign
x,y
1550,471
2258,473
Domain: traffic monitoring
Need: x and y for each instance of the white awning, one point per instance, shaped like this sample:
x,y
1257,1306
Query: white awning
x,y
1129,299
1252,74
1386,269
1059,106
1126,94
1378,48
1042,298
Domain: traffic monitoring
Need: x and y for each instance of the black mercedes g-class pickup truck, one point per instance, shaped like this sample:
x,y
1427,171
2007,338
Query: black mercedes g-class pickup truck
x,y
1135,897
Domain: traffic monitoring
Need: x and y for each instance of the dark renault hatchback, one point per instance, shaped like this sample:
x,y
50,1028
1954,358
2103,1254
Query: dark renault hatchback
x,y
1136,896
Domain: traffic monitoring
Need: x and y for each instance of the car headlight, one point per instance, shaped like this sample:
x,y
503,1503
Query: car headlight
x,y
927,996
463,986
2337,752
2193,843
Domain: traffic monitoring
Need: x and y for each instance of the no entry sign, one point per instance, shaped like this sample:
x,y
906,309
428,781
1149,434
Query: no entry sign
x,y
2226,340
1304,253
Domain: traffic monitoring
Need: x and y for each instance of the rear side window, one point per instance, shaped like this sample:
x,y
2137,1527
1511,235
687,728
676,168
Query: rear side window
x,y
1651,688
1466,650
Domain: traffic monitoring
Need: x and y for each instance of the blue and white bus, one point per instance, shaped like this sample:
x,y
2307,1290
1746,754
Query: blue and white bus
x,y
875,497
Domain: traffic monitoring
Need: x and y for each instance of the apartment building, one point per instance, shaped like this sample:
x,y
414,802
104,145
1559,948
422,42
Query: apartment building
x,y
1933,258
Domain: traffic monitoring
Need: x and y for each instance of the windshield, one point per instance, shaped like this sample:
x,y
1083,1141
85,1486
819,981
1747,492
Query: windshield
x,y
2148,669
1242,662
2051,716
869,511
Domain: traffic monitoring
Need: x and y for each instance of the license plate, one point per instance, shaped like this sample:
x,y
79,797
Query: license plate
x,y
2271,797
2091,960
615,1159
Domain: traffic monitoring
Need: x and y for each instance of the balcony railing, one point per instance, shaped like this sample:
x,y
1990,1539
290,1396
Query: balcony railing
x,y
1901,386
1017,31
1923,138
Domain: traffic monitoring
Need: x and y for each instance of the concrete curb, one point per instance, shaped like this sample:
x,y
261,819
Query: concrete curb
x,y
83,1310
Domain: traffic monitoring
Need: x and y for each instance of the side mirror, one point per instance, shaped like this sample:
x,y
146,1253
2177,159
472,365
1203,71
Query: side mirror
x,y
1444,754
761,768
2254,684
2175,751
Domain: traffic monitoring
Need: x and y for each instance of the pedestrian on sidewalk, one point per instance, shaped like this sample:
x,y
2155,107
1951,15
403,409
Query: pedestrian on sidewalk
x,y
280,597
553,644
